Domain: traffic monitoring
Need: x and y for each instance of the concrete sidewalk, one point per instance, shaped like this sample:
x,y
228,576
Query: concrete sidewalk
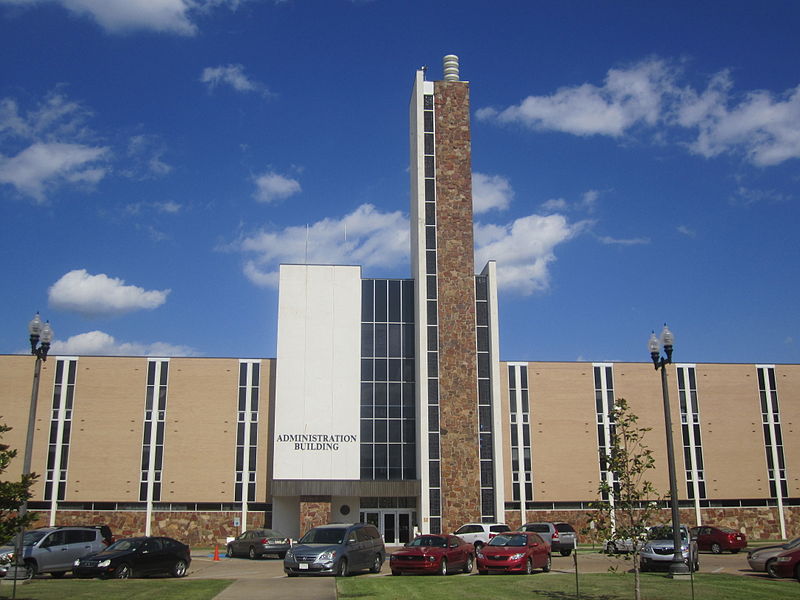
x,y
257,579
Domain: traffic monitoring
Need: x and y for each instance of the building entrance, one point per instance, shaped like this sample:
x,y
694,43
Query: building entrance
x,y
395,525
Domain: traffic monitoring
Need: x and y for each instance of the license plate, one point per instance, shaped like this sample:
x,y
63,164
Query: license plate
x,y
303,566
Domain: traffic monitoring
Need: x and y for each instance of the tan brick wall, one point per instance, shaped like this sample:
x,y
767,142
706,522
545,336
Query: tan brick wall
x,y
460,466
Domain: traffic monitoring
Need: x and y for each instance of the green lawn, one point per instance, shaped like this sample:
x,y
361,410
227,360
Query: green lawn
x,y
552,586
131,589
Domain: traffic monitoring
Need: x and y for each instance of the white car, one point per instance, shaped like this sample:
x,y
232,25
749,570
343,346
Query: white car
x,y
479,534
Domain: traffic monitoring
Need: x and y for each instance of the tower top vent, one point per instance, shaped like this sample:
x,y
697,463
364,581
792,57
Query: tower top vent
x,y
450,64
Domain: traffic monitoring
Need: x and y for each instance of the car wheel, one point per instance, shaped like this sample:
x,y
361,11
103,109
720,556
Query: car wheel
x,y
482,572
376,564
528,567
566,552
611,548
548,564
771,568
715,548
179,570
252,553
696,565
229,551
443,566
468,564
797,572
57,574
123,572
735,550
290,574
31,569
342,569
397,573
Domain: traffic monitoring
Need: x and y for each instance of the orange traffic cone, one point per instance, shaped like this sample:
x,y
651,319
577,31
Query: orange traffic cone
x,y
216,551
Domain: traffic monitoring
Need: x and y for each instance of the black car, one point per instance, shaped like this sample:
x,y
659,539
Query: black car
x,y
132,557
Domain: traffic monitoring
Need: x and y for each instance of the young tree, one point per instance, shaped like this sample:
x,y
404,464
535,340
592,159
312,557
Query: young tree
x,y
12,495
629,504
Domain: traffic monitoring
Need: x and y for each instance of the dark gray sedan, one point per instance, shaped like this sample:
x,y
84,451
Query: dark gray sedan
x,y
258,542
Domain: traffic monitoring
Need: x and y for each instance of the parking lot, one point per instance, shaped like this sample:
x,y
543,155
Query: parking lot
x,y
254,576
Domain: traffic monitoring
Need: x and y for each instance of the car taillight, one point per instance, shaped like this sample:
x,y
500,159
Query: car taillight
x,y
555,536
265,540
491,534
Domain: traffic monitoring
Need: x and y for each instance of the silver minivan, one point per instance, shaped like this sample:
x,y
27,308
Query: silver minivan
x,y
337,549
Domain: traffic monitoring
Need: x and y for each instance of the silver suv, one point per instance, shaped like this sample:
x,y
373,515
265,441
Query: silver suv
x,y
561,536
659,548
54,549
336,550
479,534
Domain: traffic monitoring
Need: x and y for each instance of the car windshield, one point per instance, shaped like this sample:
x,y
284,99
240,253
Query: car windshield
x,y
727,530
509,540
663,533
792,544
271,533
324,536
538,527
429,541
124,545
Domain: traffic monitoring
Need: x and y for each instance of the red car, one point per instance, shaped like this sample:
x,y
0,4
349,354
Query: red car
x,y
718,539
429,553
514,552
787,564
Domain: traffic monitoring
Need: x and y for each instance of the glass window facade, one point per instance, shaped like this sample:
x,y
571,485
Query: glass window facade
x,y
55,486
155,418
773,437
690,432
388,405
604,404
247,431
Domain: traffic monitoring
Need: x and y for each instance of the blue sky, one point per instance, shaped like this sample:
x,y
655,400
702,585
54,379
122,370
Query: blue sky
x,y
633,163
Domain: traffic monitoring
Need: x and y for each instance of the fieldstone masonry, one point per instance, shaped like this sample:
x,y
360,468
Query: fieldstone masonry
x,y
458,418
314,511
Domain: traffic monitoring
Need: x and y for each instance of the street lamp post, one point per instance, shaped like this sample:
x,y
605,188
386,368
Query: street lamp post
x,y
677,567
41,334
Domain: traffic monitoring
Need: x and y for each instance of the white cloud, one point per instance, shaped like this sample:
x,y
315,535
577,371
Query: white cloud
x,y
44,165
605,239
100,343
49,146
555,205
234,76
524,250
684,230
146,153
490,192
100,295
171,16
273,186
628,96
762,126
364,237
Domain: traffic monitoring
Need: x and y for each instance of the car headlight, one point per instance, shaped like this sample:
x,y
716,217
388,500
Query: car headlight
x,y
289,554
104,563
392,557
77,562
517,556
327,555
647,548
784,558
431,559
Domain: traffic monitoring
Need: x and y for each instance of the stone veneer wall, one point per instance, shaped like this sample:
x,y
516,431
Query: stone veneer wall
x,y
758,523
314,511
458,402
192,528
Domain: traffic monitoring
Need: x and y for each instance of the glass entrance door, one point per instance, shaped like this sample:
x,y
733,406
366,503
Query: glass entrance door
x,y
394,525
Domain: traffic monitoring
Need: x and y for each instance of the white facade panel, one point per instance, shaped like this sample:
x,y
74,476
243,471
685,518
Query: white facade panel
x,y
318,373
